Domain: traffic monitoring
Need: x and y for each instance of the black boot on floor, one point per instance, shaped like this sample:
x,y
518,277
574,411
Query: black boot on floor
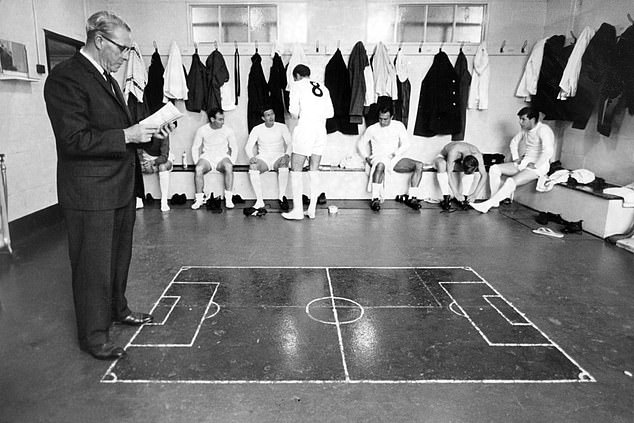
x,y
375,204
413,203
284,204
401,198
322,198
542,218
445,204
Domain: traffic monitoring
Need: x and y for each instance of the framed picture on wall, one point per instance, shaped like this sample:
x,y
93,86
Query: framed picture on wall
x,y
13,60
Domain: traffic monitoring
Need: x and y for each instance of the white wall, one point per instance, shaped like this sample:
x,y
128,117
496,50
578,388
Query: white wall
x,y
25,133
611,158
31,160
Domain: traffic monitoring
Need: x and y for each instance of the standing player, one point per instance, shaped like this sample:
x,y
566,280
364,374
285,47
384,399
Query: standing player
x,y
311,103
219,152
389,141
273,142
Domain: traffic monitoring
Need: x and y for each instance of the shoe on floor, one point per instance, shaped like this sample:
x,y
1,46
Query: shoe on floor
x,y
322,198
413,203
107,351
135,319
284,204
237,199
375,204
572,227
548,232
401,198
305,199
542,218
149,200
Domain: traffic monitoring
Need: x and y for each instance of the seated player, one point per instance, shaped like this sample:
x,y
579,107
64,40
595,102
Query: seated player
x,y
388,141
539,142
273,142
459,157
310,103
214,148
155,158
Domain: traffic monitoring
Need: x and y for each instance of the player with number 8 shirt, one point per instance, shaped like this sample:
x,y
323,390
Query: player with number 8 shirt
x,y
309,102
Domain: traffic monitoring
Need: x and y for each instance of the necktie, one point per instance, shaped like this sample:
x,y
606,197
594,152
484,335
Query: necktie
x,y
114,87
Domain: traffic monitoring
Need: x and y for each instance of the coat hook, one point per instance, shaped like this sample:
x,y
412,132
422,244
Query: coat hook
x,y
235,44
196,47
502,46
440,48
524,46
338,44
215,45
629,18
256,46
400,45
316,46
155,46
461,45
420,47
574,37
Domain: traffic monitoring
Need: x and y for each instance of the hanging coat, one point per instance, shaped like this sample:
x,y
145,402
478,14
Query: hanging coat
x,y
570,77
154,87
257,92
595,65
625,65
357,63
528,84
464,82
277,85
337,81
479,90
236,74
217,74
175,83
438,104
401,105
197,85
553,65
384,73
134,85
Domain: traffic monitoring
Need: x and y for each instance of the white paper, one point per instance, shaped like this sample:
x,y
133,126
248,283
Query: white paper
x,y
165,115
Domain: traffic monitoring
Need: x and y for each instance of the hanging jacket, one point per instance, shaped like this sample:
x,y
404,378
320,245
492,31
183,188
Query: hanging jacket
x,y
277,85
570,77
357,63
197,85
337,81
134,85
553,65
384,73
175,84
154,87
401,105
528,84
595,65
257,92
438,104
298,57
479,90
464,82
236,74
217,74
625,65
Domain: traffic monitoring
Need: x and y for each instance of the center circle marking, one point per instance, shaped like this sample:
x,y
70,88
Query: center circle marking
x,y
329,304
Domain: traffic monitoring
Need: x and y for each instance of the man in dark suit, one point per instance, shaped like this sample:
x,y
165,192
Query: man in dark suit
x,y
96,144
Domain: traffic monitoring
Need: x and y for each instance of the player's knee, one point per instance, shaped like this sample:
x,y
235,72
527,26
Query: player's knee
x,y
495,170
418,167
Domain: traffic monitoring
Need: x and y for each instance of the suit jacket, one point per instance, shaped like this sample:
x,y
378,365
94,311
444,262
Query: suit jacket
x,y
95,167
257,91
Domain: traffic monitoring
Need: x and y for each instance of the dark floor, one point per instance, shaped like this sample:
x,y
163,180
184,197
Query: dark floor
x,y
577,291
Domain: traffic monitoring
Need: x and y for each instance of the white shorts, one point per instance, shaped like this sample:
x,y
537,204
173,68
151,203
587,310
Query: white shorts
x,y
386,160
214,160
540,171
270,159
145,158
309,140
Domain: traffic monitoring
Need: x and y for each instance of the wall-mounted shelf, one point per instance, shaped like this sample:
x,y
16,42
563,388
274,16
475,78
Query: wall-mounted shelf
x,y
4,77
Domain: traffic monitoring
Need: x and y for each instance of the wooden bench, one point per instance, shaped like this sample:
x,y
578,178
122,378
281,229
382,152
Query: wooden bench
x,y
603,215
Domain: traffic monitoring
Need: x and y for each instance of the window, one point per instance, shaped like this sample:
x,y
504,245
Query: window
x,y
433,23
59,48
232,22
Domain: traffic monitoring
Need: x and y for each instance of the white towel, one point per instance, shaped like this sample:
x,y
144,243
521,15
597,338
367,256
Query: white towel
x,y
298,57
546,183
626,192
135,75
479,89
175,83
384,73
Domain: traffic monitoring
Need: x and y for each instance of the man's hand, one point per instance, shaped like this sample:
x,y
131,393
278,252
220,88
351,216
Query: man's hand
x,y
285,160
369,159
165,130
146,167
139,133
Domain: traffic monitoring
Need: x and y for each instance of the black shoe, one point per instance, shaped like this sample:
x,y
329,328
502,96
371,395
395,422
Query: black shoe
x,y
572,227
322,198
237,199
506,202
284,204
214,204
465,204
445,203
178,199
542,218
556,218
305,199
107,351
252,211
413,203
136,319
149,200
401,198
375,204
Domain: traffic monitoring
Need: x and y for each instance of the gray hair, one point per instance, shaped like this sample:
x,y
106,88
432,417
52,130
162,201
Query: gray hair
x,y
104,22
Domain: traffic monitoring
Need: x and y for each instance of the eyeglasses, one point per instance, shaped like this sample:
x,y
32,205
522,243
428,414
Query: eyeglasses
x,y
123,49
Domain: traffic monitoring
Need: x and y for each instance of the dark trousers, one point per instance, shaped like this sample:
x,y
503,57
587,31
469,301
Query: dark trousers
x,y
100,250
